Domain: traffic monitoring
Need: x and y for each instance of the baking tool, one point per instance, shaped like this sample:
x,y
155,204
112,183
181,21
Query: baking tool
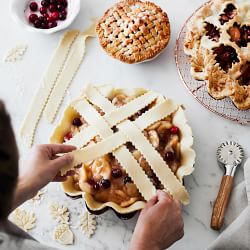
x,y
198,89
230,155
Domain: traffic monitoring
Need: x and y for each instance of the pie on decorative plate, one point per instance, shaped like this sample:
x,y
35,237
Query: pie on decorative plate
x,y
134,31
130,143
218,43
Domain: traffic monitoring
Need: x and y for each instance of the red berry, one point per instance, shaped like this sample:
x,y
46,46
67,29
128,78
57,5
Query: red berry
x,y
50,19
44,25
77,122
127,179
45,3
37,23
52,25
33,18
105,183
53,1
169,156
68,136
46,15
116,172
52,8
33,6
64,12
42,18
43,10
60,7
55,15
174,130
62,17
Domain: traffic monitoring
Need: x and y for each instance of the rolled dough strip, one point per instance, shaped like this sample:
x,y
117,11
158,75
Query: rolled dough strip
x,y
68,73
40,100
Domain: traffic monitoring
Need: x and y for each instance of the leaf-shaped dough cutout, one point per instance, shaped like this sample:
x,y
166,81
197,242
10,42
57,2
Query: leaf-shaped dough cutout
x,y
59,212
23,219
16,53
63,235
88,224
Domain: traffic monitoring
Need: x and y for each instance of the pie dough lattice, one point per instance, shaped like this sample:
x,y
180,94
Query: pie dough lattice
x,y
133,31
218,43
60,74
128,131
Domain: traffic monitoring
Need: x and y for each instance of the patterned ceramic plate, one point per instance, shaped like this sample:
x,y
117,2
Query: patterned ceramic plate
x,y
224,107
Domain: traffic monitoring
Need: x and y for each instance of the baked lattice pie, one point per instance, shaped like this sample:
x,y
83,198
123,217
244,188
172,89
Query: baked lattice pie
x,y
131,142
218,42
134,31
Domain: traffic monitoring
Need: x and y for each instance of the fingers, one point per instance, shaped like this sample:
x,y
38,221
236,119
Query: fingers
x,y
59,148
62,161
60,178
164,196
151,202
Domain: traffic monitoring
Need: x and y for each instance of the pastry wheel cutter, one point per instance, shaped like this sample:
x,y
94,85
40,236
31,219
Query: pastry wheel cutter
x,y
230,155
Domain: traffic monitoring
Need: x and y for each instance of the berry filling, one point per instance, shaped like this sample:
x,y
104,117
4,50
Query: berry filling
x,y
240,35
212,32
47,13
225,56
229,13
244,79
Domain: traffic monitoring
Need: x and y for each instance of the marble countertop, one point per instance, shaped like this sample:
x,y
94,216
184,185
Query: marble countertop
x,y
20,80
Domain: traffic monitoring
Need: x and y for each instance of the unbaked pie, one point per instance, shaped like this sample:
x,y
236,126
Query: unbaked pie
x,y
130,143
218,43
134,31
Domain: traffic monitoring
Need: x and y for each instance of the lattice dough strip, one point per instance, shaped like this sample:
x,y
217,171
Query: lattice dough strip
x,y
158,165
66,77
40,100
122,155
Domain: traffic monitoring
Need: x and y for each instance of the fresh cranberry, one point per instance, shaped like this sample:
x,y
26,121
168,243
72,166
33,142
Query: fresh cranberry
x,y
44,25
69,135
94,184
33,6
37,23
43,10
42,18
60,7
64,12
169,156
127,179
77,122
62,17
52,25
45,3
53,1
33,18
116,172
55,15
105,183
46,15
174,130
50,19
52,8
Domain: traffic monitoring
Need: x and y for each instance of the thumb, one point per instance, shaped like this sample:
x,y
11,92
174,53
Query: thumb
x,y
62,161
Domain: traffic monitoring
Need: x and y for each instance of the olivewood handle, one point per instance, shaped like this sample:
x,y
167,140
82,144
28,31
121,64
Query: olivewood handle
x,y
221,202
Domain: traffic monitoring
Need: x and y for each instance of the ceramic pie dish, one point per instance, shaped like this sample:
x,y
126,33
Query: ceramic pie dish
x,y
130,143
133,31
218,43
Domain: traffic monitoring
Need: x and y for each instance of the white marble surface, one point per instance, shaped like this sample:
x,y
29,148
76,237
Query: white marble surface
x,y
20,80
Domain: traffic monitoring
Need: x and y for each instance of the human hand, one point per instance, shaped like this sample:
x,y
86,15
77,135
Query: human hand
x,y
160,224
42,167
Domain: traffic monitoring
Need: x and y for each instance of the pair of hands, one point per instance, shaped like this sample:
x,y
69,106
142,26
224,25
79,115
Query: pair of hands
x,y
160,223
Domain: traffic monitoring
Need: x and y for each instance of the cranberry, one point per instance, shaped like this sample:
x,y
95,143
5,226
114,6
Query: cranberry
x,y
55,15
50,19
68,136
169,156
53,1
42,18
52,25
33,18
37,23
61,7
127,179
45,3
43,10
105,183
94,184
77,122
64,12
46,15
62,17
33,6
52,8
44,25
116,172
174,130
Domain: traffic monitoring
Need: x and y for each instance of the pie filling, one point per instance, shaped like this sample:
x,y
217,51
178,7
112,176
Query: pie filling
x,y
212,32
225,56
244,79
105,179
240,34
229,13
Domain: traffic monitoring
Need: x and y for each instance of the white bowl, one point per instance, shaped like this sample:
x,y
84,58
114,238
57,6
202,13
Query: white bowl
x,y
18,11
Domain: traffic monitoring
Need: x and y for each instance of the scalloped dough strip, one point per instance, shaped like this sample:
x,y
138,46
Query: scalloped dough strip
x,y
158,165
115,140
69,71
123,155
40,100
